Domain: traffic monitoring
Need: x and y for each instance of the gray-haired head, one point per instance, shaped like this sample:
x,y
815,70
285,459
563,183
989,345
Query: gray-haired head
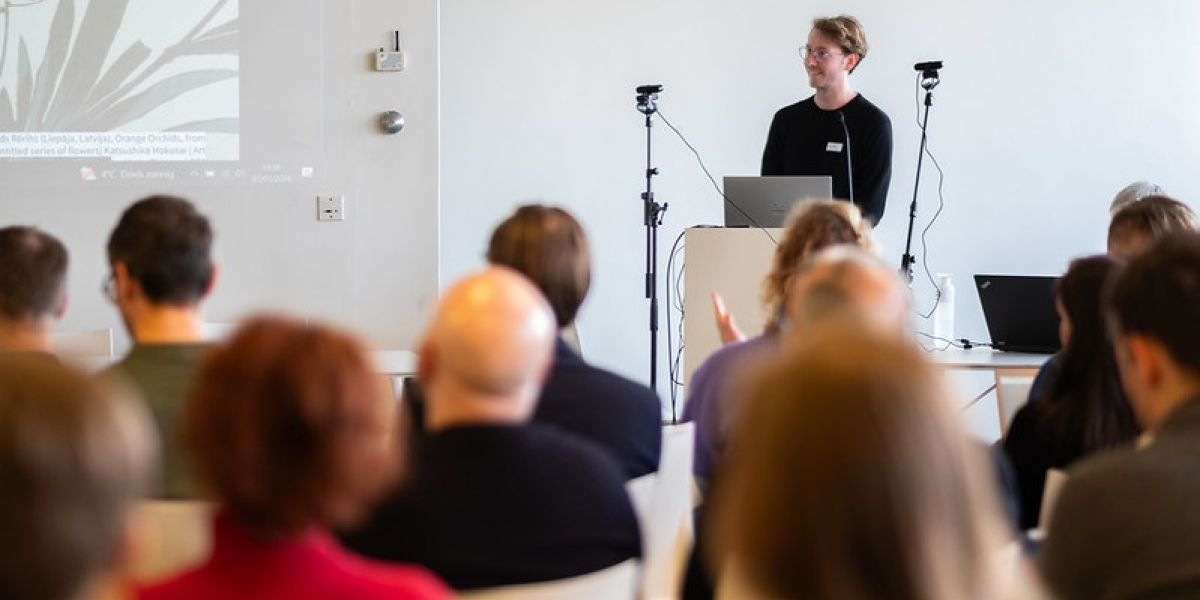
x,y
848,282
1132,193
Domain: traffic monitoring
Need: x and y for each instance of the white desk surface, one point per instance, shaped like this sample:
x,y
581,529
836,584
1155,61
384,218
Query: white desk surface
x,y
394,363
987,359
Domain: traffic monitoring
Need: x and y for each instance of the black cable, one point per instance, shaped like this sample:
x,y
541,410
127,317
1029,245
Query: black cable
x,y
672,364
941,204
961,343
713,180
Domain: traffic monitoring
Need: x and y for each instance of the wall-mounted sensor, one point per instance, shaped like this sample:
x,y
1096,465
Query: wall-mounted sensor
x,y
390,60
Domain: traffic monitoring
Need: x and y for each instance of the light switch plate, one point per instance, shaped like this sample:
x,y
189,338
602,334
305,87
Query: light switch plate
x,y
331,208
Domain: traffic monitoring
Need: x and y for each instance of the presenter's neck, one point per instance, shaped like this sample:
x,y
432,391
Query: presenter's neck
x,y
833,97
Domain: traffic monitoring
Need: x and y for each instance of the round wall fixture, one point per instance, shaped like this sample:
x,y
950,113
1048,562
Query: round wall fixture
x,y
391,122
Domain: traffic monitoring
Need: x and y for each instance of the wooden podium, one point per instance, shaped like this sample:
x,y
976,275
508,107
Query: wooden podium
x,y
731,262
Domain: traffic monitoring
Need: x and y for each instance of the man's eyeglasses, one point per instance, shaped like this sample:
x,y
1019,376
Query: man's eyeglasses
x,y
821,54
108,287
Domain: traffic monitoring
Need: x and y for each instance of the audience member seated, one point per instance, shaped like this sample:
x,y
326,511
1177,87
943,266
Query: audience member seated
x,y
1132,193
1125,522
291,432
813,225
850,477
159,254
1085,410
1133,226
838,283
847,282
548,246
494,499
74,458
1138,224
33,291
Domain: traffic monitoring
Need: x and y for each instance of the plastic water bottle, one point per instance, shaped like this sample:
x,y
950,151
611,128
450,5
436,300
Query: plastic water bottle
x,y
943,311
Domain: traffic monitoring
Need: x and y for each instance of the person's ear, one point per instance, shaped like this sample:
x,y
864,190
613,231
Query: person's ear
x,y
1145,360
212,280
61,310
127,287
852,61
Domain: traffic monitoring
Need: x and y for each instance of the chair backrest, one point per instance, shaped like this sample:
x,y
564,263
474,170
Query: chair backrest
x,y
667,533
641,494
1012,392
97,343
215,331
618,582
170,536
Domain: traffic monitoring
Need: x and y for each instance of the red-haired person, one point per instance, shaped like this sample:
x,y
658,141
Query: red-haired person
x,y
292,433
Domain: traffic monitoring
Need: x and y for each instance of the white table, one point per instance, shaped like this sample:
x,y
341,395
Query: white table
x,y
1013,373
393,363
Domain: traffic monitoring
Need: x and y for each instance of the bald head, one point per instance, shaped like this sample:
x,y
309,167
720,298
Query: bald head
x,y
845,282
488,349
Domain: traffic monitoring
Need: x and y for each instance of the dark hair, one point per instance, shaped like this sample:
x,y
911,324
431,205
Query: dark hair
x,y
74,457
1148,219
33,271
165,243
286,427
1086,403
1158,295
547,245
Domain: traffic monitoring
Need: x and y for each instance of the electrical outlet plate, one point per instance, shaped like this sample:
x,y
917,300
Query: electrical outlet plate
x,y
331,208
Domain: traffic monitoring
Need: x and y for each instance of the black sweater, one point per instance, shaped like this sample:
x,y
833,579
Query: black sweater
x,y
806,140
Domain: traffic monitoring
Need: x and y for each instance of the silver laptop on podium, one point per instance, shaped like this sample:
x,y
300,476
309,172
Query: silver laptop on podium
x,y
766,201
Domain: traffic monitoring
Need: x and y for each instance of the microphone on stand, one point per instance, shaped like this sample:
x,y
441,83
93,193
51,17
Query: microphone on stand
x,y
849,165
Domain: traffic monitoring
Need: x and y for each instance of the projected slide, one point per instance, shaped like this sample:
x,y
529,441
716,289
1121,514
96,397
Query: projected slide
x,y
113,90
93,80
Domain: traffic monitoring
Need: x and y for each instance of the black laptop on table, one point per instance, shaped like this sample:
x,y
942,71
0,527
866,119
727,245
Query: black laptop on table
x,y
1020,313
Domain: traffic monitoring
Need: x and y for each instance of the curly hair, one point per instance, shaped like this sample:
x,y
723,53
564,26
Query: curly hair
x,y
811,226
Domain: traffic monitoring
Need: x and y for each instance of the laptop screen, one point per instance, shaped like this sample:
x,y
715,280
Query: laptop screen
x,y
766,201
1020,312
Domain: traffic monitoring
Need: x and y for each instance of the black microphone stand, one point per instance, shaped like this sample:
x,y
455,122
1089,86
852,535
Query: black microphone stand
x,y
849,163
929,80
652,214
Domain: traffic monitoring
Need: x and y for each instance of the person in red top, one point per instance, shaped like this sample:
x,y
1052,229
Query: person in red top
x,y
292,433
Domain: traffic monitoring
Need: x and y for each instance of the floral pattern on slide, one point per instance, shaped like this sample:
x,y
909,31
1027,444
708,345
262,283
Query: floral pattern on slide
x,y
71,90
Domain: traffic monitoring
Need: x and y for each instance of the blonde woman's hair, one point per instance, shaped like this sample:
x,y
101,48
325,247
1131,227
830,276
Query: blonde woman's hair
x,y
850,478
811,226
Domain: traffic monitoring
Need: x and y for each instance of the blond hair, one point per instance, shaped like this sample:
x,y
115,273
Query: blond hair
x,y
849,478
846,32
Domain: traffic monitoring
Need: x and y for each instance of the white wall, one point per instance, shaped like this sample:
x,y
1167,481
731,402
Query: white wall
x,y
1046,109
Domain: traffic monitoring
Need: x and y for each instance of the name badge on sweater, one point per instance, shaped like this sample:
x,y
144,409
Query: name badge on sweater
x,y
833,147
